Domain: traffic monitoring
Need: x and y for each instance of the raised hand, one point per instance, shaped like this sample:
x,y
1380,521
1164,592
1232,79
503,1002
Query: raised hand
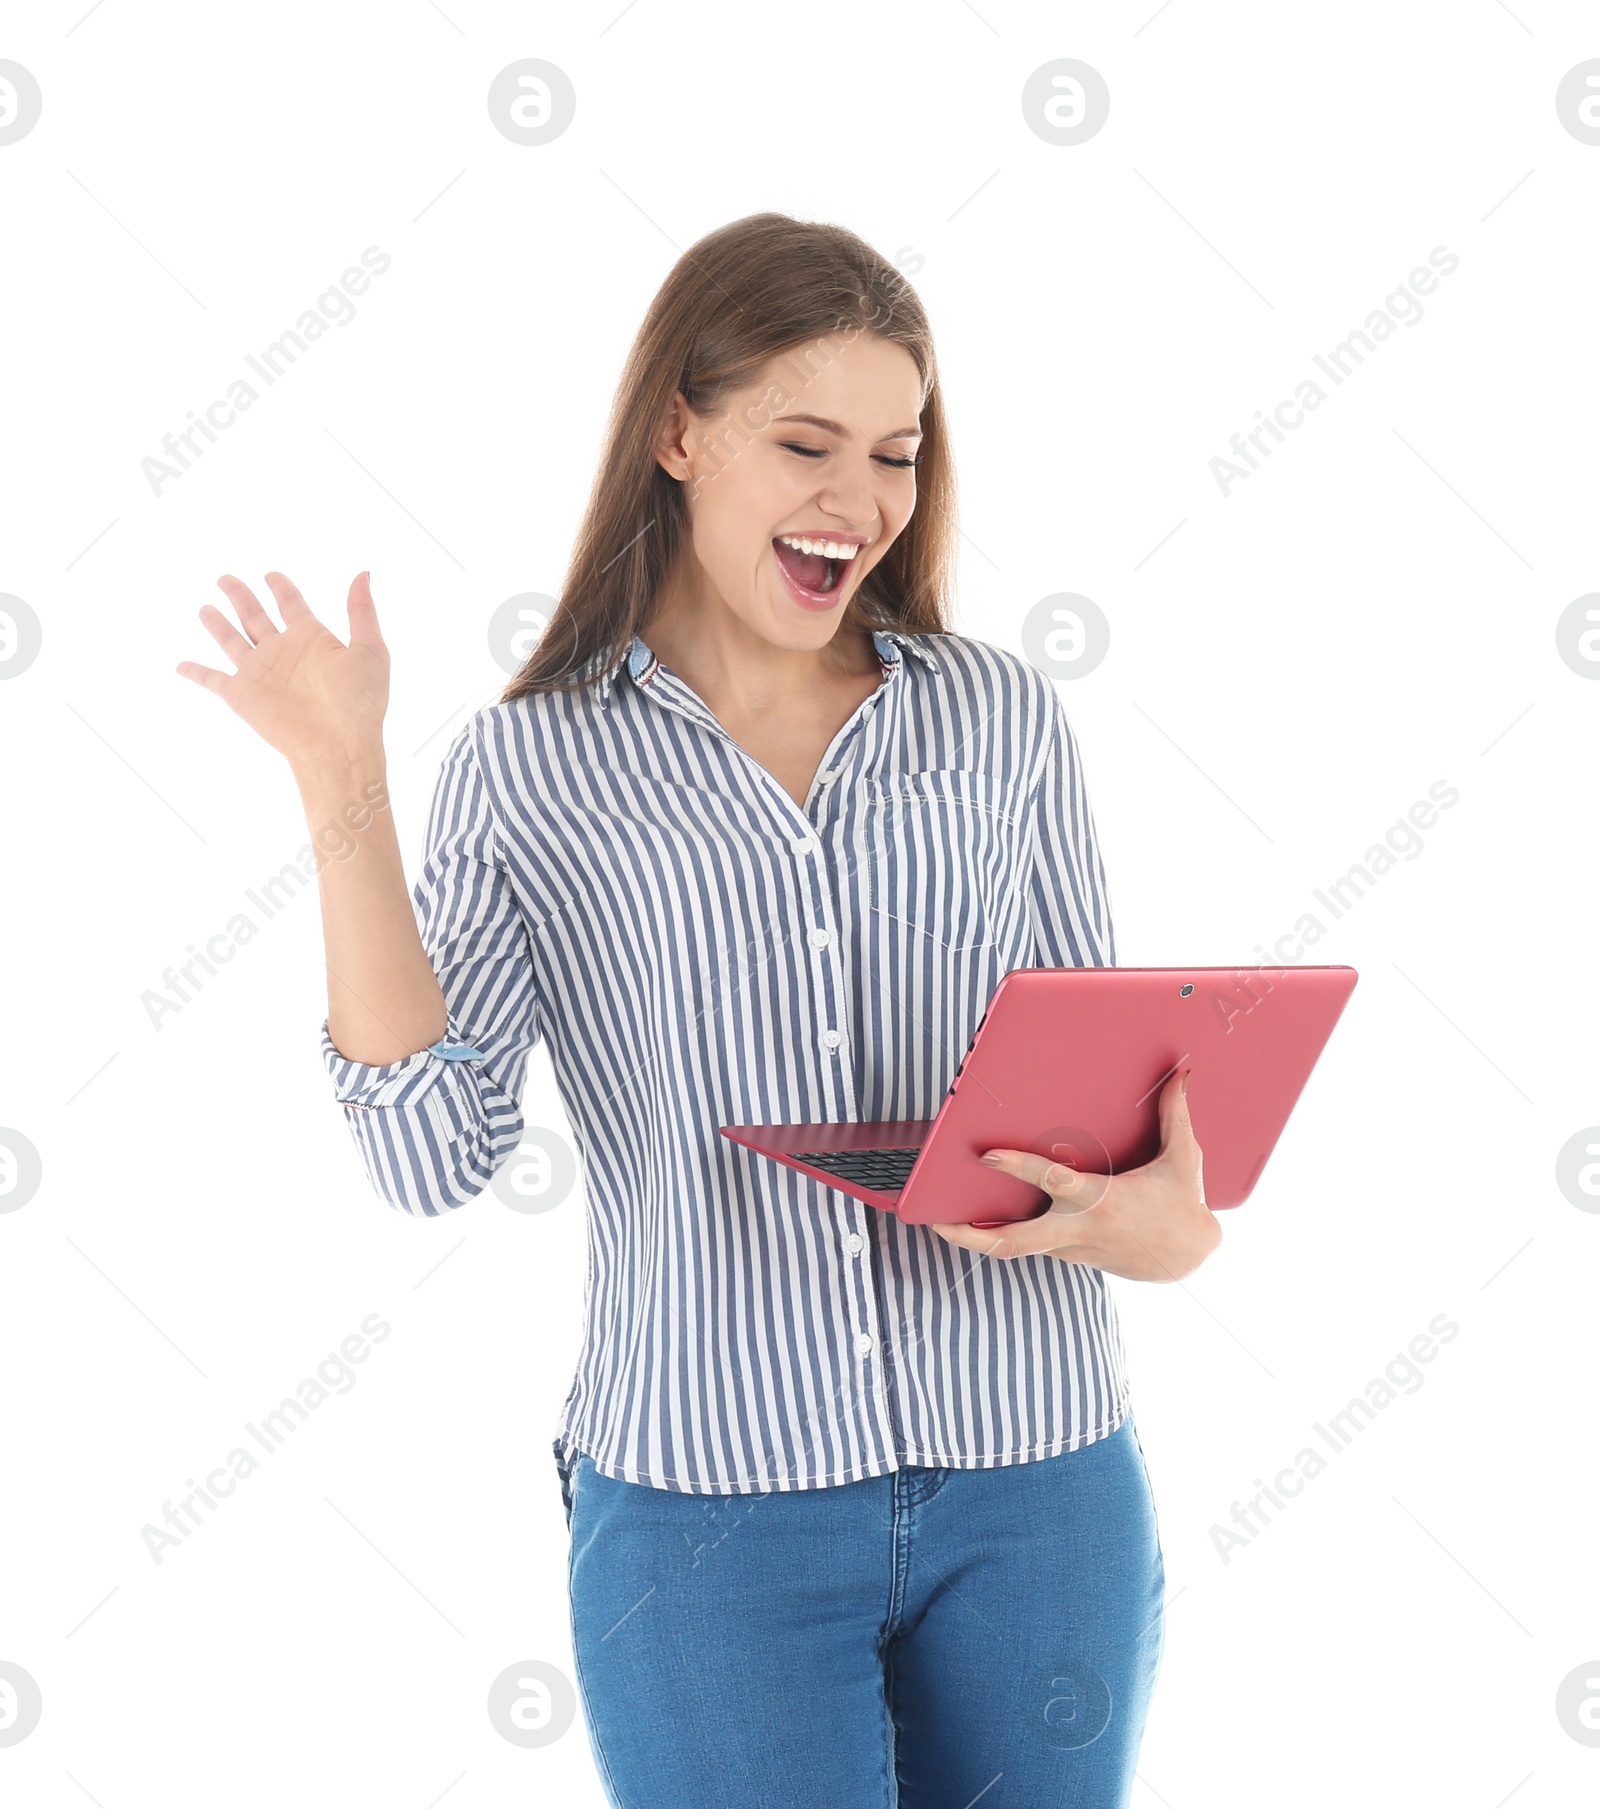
x,y
320,703
303,690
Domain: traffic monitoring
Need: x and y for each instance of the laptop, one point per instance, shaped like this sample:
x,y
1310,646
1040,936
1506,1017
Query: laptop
x,y
1068,1062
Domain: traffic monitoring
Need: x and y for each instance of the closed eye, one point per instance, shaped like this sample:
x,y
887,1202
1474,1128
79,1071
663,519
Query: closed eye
x,y
817,452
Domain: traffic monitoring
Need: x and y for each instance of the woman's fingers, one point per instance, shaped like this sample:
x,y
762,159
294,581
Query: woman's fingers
x,y
986,1243
1040,1236
1173,1107
298,686
207,676
223,632
257,623
1178,1142
363,613
1044,1234
1063,1184
291,604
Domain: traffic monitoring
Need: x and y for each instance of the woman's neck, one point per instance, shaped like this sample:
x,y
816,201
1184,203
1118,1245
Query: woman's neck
x,y
730,665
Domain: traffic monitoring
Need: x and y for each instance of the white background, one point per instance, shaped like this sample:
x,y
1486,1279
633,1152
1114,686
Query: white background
x,y
1292,666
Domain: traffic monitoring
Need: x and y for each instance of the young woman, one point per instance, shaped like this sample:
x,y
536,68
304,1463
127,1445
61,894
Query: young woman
x,y
858,1511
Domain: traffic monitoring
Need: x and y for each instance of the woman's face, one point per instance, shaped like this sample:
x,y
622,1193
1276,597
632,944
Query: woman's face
x,y
800,487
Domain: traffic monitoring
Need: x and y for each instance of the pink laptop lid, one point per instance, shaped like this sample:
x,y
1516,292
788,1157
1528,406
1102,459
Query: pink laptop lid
x,y
1068,1062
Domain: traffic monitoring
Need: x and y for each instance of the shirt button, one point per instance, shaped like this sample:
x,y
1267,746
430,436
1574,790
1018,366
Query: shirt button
x,y
855,1243
831,1039
804,844
864,1343
820,938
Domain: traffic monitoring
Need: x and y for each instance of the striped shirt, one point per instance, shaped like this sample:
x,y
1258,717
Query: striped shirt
x,y
609,873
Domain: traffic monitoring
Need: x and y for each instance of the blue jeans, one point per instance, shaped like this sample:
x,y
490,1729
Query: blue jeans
x,y
923,1639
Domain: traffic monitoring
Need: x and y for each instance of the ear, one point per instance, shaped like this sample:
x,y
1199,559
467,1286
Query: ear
x,y
672,449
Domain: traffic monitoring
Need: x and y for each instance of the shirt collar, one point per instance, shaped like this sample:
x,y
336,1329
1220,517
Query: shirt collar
x,y
641,664
636,662
889,641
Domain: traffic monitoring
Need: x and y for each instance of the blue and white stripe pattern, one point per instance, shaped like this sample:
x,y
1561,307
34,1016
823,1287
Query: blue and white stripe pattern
x,y
609,872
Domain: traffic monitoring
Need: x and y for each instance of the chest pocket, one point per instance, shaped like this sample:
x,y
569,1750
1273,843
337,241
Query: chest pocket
x,y
942,851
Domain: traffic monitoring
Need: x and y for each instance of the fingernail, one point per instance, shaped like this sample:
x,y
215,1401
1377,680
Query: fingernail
x,y
991,1160
1183,1085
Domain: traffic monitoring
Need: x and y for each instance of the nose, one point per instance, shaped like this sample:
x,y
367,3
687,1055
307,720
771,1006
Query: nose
x,y
848,498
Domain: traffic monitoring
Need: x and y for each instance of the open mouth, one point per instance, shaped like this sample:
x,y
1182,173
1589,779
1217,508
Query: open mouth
x,y
814,576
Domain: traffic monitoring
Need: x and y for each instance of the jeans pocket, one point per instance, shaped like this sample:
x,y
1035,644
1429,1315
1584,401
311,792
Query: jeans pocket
x,y
569,1484
1155,1516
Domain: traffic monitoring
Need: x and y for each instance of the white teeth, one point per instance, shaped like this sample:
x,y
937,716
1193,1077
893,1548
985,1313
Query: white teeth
x,y
829,549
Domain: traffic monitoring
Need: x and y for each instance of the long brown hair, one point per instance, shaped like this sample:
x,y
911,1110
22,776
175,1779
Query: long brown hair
x,y
747,293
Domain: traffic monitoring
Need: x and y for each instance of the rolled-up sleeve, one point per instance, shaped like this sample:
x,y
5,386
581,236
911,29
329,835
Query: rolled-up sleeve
x,y
433,1127
1067,899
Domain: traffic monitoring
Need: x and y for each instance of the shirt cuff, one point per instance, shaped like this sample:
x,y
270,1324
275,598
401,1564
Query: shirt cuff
x,y
391,1083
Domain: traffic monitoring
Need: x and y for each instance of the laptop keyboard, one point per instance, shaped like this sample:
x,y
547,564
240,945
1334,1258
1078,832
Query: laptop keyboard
x,y
885,1170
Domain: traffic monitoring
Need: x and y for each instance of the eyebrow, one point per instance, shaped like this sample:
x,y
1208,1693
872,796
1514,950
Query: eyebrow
x,y
904,433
